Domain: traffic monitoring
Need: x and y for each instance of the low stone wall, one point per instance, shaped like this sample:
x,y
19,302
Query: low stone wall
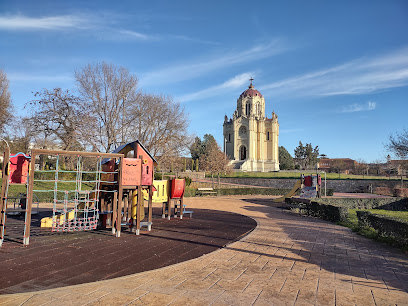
x,y
336,185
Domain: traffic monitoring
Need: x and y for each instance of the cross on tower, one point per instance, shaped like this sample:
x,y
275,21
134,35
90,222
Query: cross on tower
x,y
251,79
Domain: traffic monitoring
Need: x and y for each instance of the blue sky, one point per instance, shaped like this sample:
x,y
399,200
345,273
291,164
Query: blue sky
x,y
335,72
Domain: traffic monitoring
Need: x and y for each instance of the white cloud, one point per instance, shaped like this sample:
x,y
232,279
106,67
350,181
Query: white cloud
x,y
136,35
20,22
189,70
233,83
360,76
369,106
19,77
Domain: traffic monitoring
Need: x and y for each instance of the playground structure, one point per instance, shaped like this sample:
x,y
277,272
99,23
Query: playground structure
x,y
99,190
309,186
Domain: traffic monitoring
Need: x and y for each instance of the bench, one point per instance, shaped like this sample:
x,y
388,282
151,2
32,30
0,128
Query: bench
x,y
184,210
203,191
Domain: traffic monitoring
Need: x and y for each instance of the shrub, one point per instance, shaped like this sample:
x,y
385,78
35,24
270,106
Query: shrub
x,y
323,211
191,192
385,226
327,212
383,191
188,181
401,192
157,176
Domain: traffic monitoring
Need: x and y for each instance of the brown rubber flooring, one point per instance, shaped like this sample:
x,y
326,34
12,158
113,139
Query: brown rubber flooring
x,y
60,259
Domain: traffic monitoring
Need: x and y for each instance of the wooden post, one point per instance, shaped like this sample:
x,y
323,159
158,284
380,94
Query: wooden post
x,y
125,206
149,226
3,203
169,200
138,208
182,201
130,197
114,210
27,225
119,212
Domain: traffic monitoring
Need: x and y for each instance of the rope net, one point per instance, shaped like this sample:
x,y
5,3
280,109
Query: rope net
x,y
76,192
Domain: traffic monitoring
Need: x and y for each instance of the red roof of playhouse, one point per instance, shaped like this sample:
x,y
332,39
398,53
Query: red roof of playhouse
x,y
251,92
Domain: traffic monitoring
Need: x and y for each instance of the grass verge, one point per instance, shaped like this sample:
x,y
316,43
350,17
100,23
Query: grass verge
x,y
370,232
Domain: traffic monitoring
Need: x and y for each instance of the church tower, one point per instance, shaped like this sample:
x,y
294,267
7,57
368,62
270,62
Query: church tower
x,y
250,138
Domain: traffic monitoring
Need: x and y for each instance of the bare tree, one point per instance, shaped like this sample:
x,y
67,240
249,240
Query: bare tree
x,y
398,144
57,112
160,124
5,100
338,166
107,90
361,168
214,161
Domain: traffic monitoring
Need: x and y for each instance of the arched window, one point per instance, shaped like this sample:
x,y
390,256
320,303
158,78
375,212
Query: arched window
x,y
229,137
242,153
267,136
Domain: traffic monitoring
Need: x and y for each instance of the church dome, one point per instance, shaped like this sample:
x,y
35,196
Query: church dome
x,y
251,92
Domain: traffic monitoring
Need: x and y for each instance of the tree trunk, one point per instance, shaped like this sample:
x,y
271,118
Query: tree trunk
x,y
212,180
219,183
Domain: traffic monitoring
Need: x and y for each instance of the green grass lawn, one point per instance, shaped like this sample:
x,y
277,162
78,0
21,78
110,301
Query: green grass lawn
x,y
283,174
400,215
15,190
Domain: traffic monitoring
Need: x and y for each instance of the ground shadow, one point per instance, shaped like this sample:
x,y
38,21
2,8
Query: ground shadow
x,y
335,248
60,259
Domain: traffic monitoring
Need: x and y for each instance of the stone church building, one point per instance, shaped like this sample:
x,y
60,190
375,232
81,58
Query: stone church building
x,y
250,138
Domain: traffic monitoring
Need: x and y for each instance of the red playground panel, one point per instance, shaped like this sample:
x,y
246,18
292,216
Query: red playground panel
x,y
177,188
19,164
131,171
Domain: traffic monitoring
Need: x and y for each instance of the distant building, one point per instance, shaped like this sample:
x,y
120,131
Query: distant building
x,y
250,138
345,165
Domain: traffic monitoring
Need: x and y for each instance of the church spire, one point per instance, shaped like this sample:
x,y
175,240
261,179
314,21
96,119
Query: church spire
x,y
250,85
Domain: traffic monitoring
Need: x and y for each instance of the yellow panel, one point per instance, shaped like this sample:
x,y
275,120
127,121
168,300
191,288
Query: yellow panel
x,y
161,193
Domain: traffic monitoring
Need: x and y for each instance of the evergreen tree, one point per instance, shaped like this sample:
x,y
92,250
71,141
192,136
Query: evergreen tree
x,y
286,161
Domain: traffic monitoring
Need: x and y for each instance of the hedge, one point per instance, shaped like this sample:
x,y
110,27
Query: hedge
x,y
191,192
380,203
385,226
323,211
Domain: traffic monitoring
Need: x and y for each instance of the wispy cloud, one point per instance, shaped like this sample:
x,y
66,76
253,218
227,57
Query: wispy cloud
x,y
201,66
22,77
369,106
20,22
360,76
94,23
233,83
137,35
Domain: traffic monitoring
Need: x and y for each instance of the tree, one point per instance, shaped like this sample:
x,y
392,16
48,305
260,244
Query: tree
x,y
160,124
307,156
5,100
398,144
285,159
196,149
58,112
338,166
361,168
108,91
213,160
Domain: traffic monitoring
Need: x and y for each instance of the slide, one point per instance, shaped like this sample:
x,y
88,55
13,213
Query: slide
x,y
290,193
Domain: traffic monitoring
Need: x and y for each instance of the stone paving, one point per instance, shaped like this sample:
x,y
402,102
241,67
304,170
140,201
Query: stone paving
x,y
286,260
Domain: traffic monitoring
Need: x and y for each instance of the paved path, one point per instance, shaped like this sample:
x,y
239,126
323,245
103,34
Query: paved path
x,y
286,260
